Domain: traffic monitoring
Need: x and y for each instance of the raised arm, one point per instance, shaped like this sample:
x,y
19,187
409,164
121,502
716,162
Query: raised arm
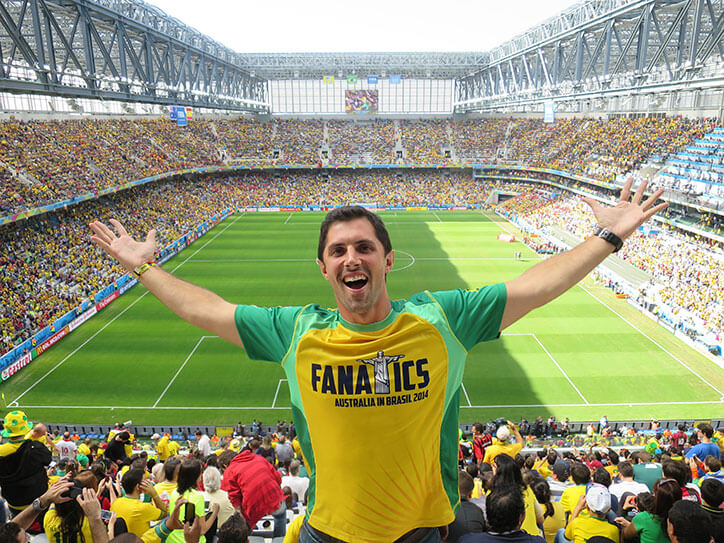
x,y
192,303
549,279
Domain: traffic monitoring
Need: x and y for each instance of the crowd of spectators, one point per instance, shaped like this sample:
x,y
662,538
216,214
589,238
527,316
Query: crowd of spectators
x,y
685,270
51,161
425,141
40,281
255,483
370,141
58,160
48,266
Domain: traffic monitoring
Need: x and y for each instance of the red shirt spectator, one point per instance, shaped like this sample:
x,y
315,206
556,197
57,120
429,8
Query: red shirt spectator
x,y
251,477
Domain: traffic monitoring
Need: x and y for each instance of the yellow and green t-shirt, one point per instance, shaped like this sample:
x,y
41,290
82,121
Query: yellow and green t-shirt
x,y
394,386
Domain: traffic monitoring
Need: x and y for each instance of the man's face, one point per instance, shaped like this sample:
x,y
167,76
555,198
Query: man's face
x,y
355,264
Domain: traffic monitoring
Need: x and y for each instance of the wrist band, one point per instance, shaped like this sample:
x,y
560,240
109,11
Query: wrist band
x,y
143,268
613,239
162,530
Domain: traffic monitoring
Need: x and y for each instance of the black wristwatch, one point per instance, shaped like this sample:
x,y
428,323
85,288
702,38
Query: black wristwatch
x,y
37,506
613,239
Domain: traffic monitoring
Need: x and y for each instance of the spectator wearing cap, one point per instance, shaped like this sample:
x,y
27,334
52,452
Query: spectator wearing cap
x,y
582,528
23,460
505,512
712,498
558,481
627,483
503,446
687,523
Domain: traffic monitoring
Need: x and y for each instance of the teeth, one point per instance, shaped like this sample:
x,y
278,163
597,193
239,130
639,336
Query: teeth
x,y
354,278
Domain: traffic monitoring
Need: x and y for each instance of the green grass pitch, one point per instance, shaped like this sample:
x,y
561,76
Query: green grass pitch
x,y
582,356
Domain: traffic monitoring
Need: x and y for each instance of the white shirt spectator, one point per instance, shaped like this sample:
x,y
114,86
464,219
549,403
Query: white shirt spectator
x,y
299,486
66,449
617,489
204,445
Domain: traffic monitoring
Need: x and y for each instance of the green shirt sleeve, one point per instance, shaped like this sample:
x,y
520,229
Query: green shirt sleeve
x,y
266,332
474,315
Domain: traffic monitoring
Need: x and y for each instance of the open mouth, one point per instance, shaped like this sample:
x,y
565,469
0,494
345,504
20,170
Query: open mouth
x,y
355,282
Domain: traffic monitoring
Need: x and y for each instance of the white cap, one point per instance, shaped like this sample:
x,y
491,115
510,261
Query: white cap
x,y
155,436
503,433
598,499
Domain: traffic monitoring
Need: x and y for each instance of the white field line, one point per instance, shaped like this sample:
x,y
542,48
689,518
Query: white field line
x,y
570,382
437,217
502,227
279,384
500,406
652,340
462,385
451,258
289,217
632,325
117,316
202,338
620,404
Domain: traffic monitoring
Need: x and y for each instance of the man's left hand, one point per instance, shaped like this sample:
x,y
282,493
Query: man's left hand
x,y
626,216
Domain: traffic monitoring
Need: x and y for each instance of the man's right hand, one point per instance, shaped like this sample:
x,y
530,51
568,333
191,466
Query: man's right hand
x,y
129,252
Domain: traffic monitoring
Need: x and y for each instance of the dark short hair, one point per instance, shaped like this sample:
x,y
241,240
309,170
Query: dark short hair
x,y
690,522
712,492
580,473
350,213
9,532
169,468
706,429
625,469
465,484
504,507
131,478
234,530
602,477
676,470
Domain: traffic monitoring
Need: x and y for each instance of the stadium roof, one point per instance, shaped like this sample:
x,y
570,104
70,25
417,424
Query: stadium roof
x,y
314,65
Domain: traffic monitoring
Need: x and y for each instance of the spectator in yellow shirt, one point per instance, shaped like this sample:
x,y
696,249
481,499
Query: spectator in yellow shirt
x,y
502,445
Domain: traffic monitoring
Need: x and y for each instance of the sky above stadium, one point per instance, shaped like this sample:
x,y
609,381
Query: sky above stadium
x,y
291,26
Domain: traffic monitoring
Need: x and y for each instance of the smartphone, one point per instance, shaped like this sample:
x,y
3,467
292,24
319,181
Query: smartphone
x,y
105,514
189,512
207,506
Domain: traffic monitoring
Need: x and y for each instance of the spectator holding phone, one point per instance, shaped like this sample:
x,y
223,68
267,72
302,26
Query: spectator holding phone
x,y
136,513
65,521
189,475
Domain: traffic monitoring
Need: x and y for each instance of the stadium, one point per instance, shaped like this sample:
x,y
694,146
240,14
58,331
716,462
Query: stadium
x,y
480,164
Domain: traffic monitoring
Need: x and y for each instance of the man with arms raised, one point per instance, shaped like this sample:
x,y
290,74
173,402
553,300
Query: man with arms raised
x,y
390,369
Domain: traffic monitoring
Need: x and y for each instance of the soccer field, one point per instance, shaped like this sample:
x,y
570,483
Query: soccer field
x,y
584,355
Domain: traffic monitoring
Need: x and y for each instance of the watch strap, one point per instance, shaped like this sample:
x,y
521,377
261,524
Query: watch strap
x,y
143,268
613,239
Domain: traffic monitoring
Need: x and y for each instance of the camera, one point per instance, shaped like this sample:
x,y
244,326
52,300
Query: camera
x,y
73,492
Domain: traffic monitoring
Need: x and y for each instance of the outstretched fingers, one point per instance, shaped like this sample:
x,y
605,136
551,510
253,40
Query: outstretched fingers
x,y
639,194
654,210
119,227
626,190
651,199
